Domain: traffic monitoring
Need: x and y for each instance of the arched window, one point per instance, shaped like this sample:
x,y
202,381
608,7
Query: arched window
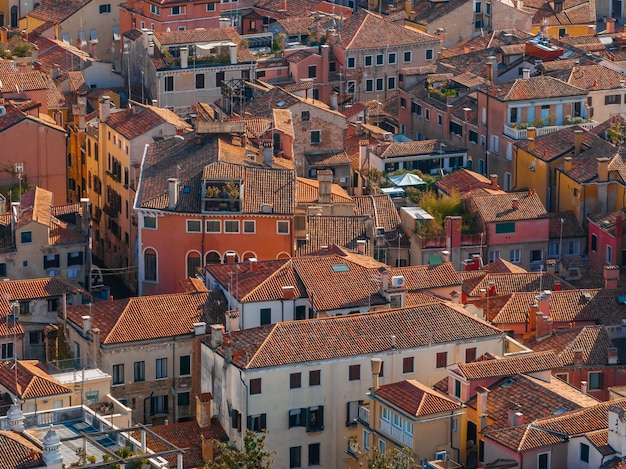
x,y
193,263
228,257
150,265
213,257
283,255
248,254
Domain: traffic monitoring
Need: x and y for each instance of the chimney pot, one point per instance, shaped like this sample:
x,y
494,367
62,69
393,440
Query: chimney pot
x,y
376,364
583,387
172,185
567,164
494,181
515,203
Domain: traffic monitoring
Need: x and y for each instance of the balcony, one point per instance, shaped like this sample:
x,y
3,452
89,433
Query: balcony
x,y
364,414
522,134
396,433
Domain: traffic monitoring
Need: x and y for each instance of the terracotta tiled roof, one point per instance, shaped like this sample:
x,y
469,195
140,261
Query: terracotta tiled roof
x,y
135,121
191,285
9,327
18,452
527,363
571,227
618,164
52,10
506,283
573,12
142,318
600,439
426,277
364,28
290,8
607,221
539,87
340,230
48,287
379,208
297,24
415,398
32,381
420,147
361,334
496,208
595,77
461,181
307,192
13,116
501,266
27,81
326,159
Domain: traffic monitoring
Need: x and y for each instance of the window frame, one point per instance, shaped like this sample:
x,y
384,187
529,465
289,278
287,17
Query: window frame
x,y
245,223
318,140
139,371
193,221
315,377
280,223
117,374
295,380
600,380
408,364
182,366
410,56
160,368
255,386
26,237
354,372
214,220
231,231
442,359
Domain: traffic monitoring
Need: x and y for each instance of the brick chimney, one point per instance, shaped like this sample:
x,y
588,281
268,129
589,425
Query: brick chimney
x,y
172,192
230,257
544,300
610,26
567,164
531,132
544,326
289,292
532,317
325,179
203,409
603,169
611,355
515,203
481,400
578,357
578,141
611,276
531,144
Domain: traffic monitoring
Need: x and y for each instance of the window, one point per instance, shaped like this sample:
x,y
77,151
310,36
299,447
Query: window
x,y
514,256
25,309
477,7
609,255
177,10
418,109
439,120
391,83
543,461
380,84
150,265
193,263
352,412
408,364
26,237
380,59
210,7
315,419
613,99
231,226
161,368
300,313
594,243
255,386
249,226
219,78
74,258
427,114
584,452
305,116
314,454
169,83
185,365
312,71
316,137
382,446
199,81
295,456
150,223
536,255
508,227
494,143
395,301
494,256
351,87
155,10
295,380
391,58
407,56
366,440
105,8
7,351
442,359
297,417
315,377
194,226
351,62
354,372
53,304
403,103
159,405
368,60
118,374
282,227
139,371
266,316
257,423
457,389
596,380
429,54
183,399
51,260
470,354
235,420
456,128
214,226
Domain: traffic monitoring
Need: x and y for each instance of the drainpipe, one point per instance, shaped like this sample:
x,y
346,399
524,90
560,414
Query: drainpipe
x,y
458,451
247,393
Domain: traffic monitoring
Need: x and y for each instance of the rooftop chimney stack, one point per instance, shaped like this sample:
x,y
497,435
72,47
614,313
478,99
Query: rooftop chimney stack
x,y
86,324
612,358
360,246
172,192
515,203
232,49
333,100
104,108
603,169
611,276
491,69
567,164
325,179
268,153
376,364
199,328
525,73
531,144
217,332
578,141
184,57
494,181
583,387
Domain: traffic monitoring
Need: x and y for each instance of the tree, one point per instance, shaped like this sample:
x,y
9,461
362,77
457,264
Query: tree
x,y
254,455
376,459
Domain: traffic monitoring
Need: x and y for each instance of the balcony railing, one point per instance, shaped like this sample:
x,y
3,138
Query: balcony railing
x,y
522,134
364,414
396,433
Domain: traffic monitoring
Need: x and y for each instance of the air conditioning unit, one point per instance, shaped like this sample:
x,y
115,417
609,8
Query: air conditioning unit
x,y
397,281
388,137
441,455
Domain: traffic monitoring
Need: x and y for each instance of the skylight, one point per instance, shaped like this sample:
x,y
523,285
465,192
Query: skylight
x,y
339,268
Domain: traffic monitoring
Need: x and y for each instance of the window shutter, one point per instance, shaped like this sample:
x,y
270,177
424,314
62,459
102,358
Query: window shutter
x,y
321,418
250,423
263,423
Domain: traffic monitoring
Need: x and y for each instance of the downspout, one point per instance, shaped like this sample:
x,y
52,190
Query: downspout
x,y
247,393
458,451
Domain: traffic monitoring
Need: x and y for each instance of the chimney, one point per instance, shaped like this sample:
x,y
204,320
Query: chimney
x,y
233,53
525,73
551,269
578,141
325,179
363,150
15,418
557,285
227,342
199,328
483,293
445,256
360,246
583,388
184,57
453,234
494,181
217,332
333,100
325,50
289,292
545,325
104,108
603,169
455,296
203,409
268,153
151,48
384,280
95,334
230,257
515,203
466,111
531,144
86,324
492,289
610,26
543,300
611,357
358,128
172,192
531,132
481,401
491,68
578,357
52,456
532,317
207,449
376,366
567,164
611,276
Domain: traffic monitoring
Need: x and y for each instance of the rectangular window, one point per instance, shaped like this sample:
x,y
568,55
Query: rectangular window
x,y
74,258
161,368
315,377
295,380
596,380
305,115
380,84
297,417
368,60
213,226
543,461
26,237
494,143
494,256
231,226
351,88
150,222
609,255
210,7
300,313
366,440
312,71
584,452
295,456
514,256
508,227
391,83
7,351
442,359
316,137
439,120
457,389
408,364
369,85
315,419
155,10
139,371
429,54
391,58
427,114
380,59
169,84
183,399
351,62
178,10
159,405
594,243
185,365
536,255
255,386
613,99
194,226
257,423
200,81
53,304
118,374
352,412
403,103
282,227
105,8
51,260
266,316
314,454
354,372
407,56
249,226
470,354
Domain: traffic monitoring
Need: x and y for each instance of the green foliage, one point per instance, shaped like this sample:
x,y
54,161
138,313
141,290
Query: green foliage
x,y
616,130
254,455
439,208
392,459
